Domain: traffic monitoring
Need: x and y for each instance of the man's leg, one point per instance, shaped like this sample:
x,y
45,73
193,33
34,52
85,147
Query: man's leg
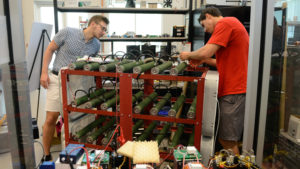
x,y
233,145
232,110
48,130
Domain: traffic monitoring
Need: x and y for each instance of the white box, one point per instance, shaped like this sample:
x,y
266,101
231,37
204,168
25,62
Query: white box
x,y
294,127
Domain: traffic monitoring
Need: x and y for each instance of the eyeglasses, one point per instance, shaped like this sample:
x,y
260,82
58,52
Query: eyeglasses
x,y
103,28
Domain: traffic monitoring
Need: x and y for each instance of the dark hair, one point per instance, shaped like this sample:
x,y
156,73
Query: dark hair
x,y
97,19
210,10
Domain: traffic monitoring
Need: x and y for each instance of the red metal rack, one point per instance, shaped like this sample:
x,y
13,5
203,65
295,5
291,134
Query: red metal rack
x,y
126,116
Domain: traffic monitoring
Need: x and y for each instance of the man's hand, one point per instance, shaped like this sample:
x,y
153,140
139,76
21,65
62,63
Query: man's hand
x,y
184,55
195,63
45,80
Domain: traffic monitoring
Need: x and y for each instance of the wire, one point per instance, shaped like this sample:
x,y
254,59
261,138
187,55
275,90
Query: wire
x,y
86,153
165,158
35,141
218,123
80,90
99,155
124,159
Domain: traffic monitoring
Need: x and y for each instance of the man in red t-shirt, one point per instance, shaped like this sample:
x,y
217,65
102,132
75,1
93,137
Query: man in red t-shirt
x,y
230,43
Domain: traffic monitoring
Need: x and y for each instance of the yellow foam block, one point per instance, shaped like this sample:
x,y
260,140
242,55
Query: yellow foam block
x,y
126,149
145,152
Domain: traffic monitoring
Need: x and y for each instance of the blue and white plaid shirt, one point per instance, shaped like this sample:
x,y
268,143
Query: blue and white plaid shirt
x,y
71,45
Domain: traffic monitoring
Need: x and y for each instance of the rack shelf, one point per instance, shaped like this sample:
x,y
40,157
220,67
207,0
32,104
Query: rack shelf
x,y
158,39
126,114
123,10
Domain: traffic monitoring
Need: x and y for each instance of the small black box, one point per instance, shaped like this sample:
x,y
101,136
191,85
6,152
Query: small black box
x,y
133,51
149,49
178,31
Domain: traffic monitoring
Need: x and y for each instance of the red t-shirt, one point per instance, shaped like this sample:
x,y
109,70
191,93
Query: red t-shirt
x,y
232,57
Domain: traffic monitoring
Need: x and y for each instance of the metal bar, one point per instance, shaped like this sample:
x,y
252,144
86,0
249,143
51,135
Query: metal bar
x,y
191,24
98,147
65,105
265,81
126,105
168,119
16,94
122,10
199,113
143,76
252,79
55,15
157,39
91,111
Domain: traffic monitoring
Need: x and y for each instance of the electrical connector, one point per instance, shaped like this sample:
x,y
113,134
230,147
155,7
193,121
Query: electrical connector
x,y
194,166
141,166
191,150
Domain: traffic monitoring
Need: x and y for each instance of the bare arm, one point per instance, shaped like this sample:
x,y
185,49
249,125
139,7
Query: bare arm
x,y
46,61
205,52
211,62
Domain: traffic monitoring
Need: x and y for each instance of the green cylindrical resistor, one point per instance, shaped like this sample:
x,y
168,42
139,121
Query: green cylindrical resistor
x,y
177,135
138,108
111,67
162,133
178,69
110,103
96,101
147,132
144,67
102,129
88,128
106,139
127,67
154,110
86,98
91,66
192,110
137,125
160,68
191,139
135,98
77,65
180,100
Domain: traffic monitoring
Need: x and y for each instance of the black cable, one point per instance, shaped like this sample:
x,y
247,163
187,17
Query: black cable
x,y
35,141
80,90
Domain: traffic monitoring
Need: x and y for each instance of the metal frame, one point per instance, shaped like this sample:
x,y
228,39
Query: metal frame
x,y
16,90
126,116
252,79
265,80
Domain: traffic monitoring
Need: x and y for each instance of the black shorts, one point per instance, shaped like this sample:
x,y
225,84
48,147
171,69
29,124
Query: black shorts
x,y
232,112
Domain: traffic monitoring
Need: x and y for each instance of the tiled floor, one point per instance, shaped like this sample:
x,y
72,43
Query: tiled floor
x,y
5,158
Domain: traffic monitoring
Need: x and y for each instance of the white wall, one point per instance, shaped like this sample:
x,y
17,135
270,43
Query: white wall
x,y
28,18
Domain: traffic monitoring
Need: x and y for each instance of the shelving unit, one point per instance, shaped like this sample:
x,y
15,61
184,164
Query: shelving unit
x,y
169,40
125,92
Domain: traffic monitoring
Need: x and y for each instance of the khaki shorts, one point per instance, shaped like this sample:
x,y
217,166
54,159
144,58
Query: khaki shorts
x,y
53,99
232,112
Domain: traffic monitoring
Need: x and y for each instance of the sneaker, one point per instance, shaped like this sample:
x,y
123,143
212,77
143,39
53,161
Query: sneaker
x,y
47,158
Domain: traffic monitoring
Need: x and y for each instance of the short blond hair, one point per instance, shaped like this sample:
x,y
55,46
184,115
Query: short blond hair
x,y
97,19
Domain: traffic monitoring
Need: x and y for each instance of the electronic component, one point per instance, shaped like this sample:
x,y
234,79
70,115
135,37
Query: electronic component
x,y
179,155
294,127
141,166
194,166
191,150
47,165
178,31
71,153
